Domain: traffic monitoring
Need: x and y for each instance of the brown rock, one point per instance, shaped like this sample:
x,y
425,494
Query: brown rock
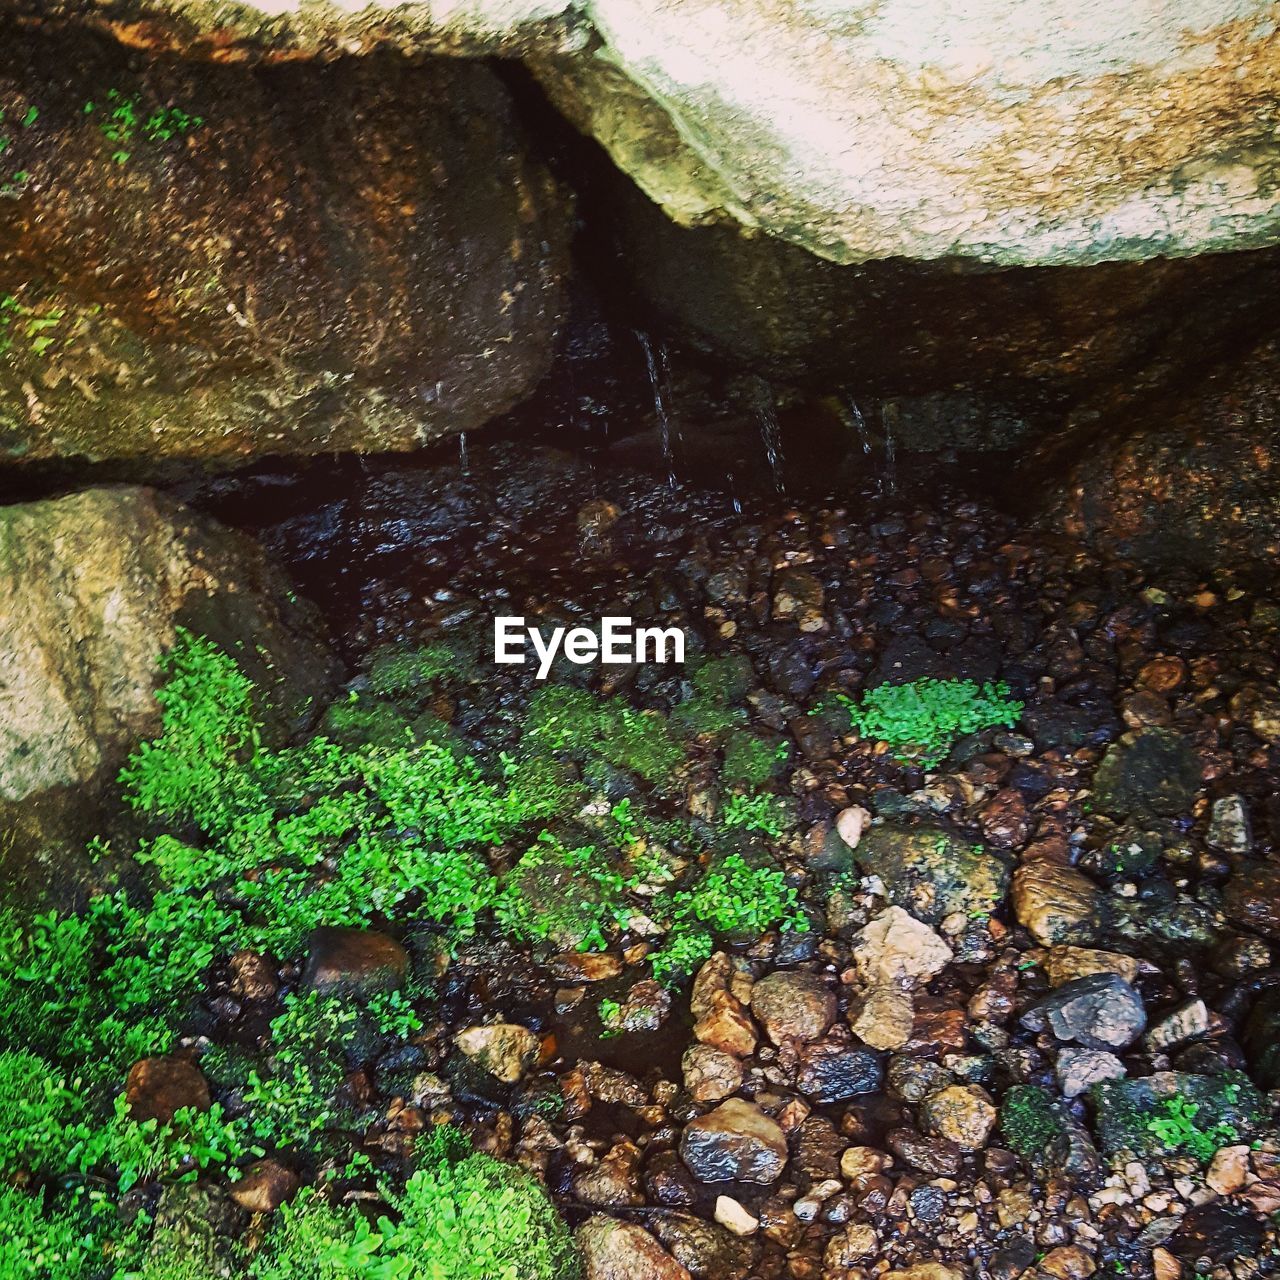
x,y
896,947
156,1088
886,1018
928,1271
354,960
1252,897
585,966
938,1156
963,1114
727,1026
505,1050
1004,819
794,1006
614,1181
710,1074
1057,904
1163,674
1066,964
1068,1262
265,1186
613,1250
253,976
848,1248
439,319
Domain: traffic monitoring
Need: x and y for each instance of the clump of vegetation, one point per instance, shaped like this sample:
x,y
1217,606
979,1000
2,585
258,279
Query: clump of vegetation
x,y
923,720
751,761
765,813
123,121
1030,1121
730,899
473,1219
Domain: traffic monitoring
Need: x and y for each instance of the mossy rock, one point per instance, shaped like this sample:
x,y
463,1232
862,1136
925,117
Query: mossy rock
x,y
933,873
1176,1113
1156,774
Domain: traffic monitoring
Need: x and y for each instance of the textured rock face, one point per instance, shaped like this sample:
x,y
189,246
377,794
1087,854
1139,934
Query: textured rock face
x,y
220,261
92,587
1021,133
1193,479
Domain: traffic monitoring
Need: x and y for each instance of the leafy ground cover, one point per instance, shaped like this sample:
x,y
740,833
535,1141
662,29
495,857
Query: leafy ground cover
x,y
385,818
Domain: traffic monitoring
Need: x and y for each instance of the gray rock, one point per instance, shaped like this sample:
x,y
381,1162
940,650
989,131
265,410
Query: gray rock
x,y
832,1072
1079,1069
736,1142
1099,1011
94,587
1154,773
1189,1021
1229,829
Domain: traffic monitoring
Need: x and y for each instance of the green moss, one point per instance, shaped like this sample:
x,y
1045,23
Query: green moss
x,y
1030,1121
751,761
718,687
1204,1114
924,719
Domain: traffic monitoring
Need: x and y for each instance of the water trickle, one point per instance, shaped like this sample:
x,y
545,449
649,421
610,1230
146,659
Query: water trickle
x,y
770,433
462,453
888,416
659,365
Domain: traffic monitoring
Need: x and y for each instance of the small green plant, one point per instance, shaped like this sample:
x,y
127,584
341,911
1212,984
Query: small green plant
x,y
764,813
719,686
1178,1125
924,719
293,1103
610,1015
12,183
123,120
730,899
394,1015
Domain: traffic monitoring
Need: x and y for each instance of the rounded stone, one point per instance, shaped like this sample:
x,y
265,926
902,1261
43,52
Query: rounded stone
x,y
794,1006
736,1142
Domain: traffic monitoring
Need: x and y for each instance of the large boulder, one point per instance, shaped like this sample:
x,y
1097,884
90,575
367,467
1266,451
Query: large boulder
x,y
220,261
92,589
1190,478
1035,132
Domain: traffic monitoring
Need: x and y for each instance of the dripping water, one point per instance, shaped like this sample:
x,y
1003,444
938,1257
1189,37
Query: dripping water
x,y
462,453
659,368
770,433
888,415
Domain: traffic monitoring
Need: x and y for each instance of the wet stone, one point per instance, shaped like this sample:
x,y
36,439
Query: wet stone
x,y
156,1088
265,1186
668,1182
963,1114
361,961
1079,1069
1101,1011
708,1250
614,1182
711,1074
1154,774
505,1050
736,1142
613,1250
834,1072
930,1155
793,1006
1229,829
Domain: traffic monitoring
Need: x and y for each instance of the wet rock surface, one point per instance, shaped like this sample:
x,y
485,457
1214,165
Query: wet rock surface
x,y
93,588
304,259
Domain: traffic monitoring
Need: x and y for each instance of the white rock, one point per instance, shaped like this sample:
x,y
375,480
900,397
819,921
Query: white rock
x,y
729,1213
